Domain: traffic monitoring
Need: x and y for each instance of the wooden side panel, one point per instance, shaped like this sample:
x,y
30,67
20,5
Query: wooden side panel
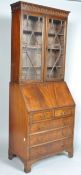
x,y
18,121
15,46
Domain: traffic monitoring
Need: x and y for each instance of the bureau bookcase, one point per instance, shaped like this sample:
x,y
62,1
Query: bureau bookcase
x,y
41,108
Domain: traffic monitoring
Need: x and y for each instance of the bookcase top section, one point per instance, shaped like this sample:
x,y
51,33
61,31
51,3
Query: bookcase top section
x,y
36,96
26,6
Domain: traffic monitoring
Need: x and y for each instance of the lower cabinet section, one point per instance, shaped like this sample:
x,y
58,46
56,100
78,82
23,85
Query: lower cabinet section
x,y
44,150
38,134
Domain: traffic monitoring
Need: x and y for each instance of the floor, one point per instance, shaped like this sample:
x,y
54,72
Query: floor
x,y
56,165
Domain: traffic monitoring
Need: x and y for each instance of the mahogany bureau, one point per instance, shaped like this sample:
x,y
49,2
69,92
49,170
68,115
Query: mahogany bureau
x,y
41,112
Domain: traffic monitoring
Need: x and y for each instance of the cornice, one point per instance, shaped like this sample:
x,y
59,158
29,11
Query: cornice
x,y
38,9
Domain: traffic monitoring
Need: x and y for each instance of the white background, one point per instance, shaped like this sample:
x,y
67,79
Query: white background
x,y
72,77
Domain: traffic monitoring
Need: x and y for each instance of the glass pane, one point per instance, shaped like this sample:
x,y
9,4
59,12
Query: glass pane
x,y
32,48
55,60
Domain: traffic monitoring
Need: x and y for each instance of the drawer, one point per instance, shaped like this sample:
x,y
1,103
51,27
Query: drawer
x,y
64,112
42,116
51,124
51,148
51,135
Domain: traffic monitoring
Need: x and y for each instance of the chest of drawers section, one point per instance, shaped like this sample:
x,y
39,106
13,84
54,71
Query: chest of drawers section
x,y
51,132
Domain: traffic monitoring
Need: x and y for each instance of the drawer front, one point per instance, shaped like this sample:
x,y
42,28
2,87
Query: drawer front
x,y
42,116
44,137
64,112
48,149
51,124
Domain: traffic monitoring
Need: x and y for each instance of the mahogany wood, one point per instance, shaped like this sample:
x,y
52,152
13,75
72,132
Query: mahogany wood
x,y
34,128
41,114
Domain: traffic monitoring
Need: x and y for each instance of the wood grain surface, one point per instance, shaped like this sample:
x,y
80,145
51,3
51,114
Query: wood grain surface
x,y
43,96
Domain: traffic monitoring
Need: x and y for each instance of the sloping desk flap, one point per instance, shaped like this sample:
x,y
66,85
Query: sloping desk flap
x,y
41,96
